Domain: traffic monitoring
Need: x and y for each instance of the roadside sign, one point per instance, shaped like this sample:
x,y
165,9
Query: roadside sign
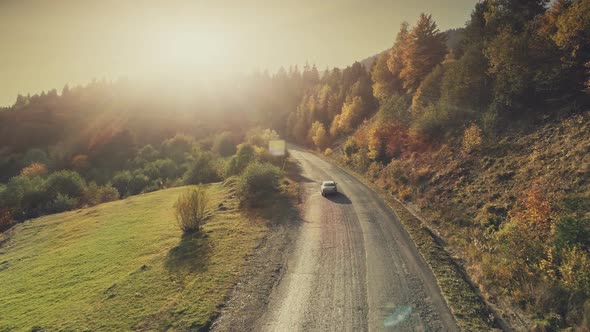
x,y
277,147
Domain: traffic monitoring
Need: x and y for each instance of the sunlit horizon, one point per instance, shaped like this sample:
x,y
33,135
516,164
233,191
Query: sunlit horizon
x,y
55,43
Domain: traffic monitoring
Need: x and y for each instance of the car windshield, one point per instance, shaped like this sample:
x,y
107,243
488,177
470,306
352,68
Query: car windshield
x,y
329,184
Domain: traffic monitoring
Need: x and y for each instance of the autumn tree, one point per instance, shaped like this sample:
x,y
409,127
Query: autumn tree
x,y
319,135
424,50
33,170
353,113
572,36
386,140
510,68
384,81
395,62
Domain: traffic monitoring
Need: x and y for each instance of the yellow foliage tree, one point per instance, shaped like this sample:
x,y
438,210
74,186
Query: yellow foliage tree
x,y
472,138
353,113
335,127
574,269
319,135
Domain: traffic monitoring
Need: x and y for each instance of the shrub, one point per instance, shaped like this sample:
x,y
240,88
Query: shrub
x,y
153,186
65,182
572,231
574,270
138,183
176,147
99,175
108,194
62,202
201,169
258,182
95,194
471,139
91,194
167,169
224,145
432,123
205,144
190,209
35,169
328,152
161,169
246,153
25,196
261,137
350,147
147,154
121,181
438,121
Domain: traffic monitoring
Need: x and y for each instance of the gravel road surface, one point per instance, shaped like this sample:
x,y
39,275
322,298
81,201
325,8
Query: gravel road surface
x,y
353,267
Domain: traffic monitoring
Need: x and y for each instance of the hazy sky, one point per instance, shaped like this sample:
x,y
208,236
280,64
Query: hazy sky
x,y
48,43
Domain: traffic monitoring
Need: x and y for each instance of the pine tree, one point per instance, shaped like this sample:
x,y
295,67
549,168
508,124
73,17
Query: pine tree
x,y
395,61
425,49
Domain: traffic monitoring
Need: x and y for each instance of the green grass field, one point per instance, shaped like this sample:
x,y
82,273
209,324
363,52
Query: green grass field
x,y
123,265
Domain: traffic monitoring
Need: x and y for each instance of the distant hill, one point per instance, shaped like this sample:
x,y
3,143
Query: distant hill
x,y
454,37
368,62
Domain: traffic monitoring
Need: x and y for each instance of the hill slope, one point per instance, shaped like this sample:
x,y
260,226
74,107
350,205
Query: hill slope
x,y
490,207
122,265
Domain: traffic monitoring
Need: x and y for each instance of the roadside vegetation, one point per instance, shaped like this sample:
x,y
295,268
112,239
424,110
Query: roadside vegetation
x,y
190,209
40,188
484,131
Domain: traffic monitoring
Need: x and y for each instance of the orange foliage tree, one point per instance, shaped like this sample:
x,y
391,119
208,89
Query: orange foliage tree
x,y
33,170
387,140
80,162
534,216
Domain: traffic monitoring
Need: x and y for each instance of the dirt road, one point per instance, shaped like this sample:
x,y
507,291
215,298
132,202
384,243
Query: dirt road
x,y
353,267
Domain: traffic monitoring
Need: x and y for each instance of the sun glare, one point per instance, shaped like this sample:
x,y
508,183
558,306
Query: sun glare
x,y
184,50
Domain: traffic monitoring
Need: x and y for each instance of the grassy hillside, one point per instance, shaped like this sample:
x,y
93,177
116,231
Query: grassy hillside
x,y
122,265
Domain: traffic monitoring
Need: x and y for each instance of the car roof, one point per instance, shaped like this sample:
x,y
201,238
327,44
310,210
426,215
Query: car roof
x,y
328,182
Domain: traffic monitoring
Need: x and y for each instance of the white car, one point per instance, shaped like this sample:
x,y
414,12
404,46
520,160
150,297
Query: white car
x,y
328,187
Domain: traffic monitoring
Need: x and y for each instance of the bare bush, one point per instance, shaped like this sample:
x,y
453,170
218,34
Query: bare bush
x,y
191,208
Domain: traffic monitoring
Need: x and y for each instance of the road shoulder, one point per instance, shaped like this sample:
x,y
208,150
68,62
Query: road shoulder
x,y
248,299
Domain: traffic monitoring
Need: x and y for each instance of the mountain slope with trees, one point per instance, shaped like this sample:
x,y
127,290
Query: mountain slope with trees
x,y
488,138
